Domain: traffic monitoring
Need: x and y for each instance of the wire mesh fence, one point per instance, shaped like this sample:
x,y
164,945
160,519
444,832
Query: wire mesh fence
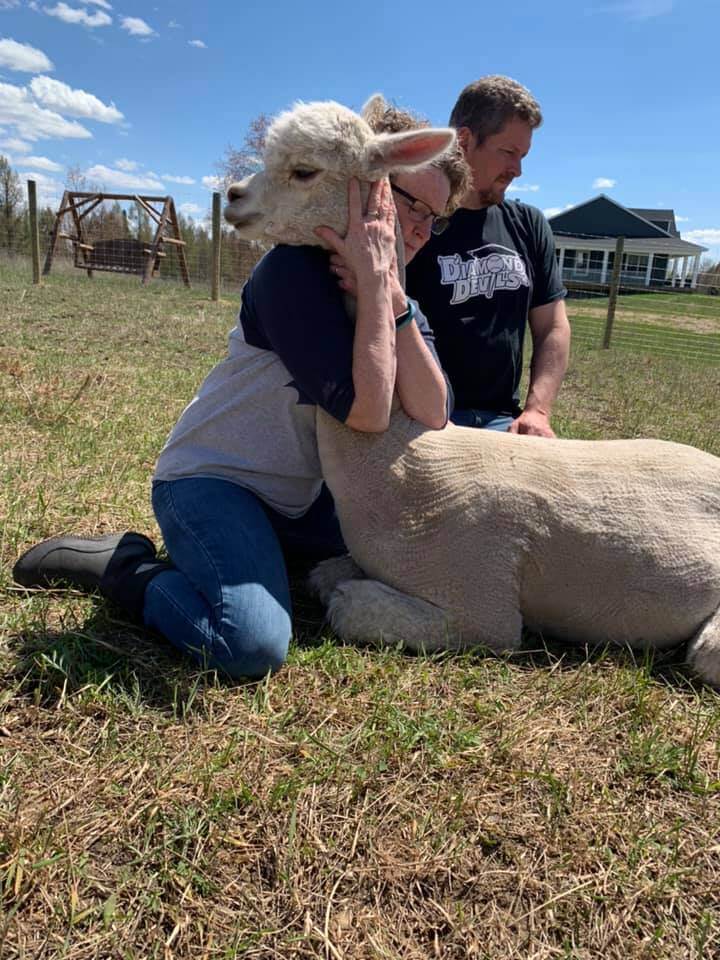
x,y
626,296
662,300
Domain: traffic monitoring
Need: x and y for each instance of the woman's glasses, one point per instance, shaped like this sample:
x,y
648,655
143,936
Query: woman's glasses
x,y
420,212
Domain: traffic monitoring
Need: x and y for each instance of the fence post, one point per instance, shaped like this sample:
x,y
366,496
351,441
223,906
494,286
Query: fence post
x,y
613,292
34,232
216,235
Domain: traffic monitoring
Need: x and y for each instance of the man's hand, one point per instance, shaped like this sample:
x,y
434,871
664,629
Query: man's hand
x,y
533,423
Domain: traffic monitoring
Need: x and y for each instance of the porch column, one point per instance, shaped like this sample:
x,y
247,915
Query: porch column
x,y
603,272
648,272
675,271
685,271
561,260
696,271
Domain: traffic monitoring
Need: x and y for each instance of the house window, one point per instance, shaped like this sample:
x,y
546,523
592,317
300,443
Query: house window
x,y
596,261
635,263
582,261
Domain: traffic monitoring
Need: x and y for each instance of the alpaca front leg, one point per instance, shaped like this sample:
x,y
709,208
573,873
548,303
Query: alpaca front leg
x,y
326,576
703,653
367,611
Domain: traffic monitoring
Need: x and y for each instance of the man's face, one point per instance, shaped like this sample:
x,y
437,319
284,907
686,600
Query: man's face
x,y
497,161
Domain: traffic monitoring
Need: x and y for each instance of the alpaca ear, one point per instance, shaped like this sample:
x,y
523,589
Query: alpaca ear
x,y
374,104
405,151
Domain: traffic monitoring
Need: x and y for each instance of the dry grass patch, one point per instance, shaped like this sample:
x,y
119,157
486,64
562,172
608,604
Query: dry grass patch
x,y
362,803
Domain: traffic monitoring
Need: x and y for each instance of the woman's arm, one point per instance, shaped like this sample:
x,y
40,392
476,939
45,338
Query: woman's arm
x,y
420,382
369,248
415,372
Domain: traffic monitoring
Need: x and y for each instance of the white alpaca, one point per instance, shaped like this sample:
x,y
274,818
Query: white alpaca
x,y
310,154
460,536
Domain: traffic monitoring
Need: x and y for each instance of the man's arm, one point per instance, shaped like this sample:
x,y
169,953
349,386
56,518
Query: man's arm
x,y
551,348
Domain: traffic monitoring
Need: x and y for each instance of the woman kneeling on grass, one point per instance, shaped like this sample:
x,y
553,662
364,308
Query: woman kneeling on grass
x,y
238,482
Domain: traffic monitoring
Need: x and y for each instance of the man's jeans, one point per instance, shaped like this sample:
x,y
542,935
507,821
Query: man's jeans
x,y
227,600
485,419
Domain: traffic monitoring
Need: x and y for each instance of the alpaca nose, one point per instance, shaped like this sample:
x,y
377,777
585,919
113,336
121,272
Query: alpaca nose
x,y
236,191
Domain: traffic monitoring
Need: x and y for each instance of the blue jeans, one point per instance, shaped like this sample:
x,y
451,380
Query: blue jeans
x,y
485,419
226,601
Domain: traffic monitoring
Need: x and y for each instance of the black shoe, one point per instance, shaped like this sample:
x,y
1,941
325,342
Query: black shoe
x,y
82,562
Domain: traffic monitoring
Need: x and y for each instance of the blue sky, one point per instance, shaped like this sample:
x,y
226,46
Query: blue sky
x,y
146,96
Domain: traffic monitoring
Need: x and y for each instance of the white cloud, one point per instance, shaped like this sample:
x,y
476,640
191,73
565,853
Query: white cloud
x,y
523,188
17,146
9,4
42,163
78,15
32,122
186,180
212,183
554,211
191,209
708,237
122,179
127,165
21,56
681,219
100,3
640,9
77,103
603,183
48,188
174,25
198,43
136,27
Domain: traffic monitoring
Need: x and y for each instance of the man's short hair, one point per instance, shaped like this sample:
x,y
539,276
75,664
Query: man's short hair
x,y
486,105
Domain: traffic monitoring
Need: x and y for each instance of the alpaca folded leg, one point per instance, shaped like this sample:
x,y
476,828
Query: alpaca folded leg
x,y
326,576
703,653
368,611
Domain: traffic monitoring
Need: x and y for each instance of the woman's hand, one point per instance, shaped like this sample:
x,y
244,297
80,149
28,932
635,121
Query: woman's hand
x,y
345,276
368,248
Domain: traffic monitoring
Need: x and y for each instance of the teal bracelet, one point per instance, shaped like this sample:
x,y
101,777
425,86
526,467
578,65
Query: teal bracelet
x,y
405,318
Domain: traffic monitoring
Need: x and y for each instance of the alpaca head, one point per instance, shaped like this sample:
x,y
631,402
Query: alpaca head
x,y
310,154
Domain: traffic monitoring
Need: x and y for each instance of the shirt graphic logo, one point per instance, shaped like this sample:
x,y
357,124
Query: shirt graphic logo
x,y
490,268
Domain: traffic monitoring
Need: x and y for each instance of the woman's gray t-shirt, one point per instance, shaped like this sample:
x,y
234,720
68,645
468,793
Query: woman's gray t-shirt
x,y
253,419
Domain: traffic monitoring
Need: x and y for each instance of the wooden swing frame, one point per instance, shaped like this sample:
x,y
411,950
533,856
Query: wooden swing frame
x,y
131,255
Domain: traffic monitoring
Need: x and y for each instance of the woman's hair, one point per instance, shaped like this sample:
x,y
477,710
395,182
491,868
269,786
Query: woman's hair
x,y
486,105
386,118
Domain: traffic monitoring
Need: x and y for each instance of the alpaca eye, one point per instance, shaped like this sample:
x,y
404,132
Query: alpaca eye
x,y
303,174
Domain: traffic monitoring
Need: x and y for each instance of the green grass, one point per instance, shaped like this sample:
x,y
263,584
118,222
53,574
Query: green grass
x,y
666,303
683,326
361,803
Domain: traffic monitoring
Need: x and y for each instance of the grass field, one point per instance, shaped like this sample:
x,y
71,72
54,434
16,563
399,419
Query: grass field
x,y
362,803
686,326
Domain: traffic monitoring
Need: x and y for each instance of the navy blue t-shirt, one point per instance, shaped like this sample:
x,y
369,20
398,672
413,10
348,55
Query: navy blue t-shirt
x,y
253,419
292,304
476,283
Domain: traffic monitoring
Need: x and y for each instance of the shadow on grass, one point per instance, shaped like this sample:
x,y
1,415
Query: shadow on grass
x,y
102,651
666,667
103,655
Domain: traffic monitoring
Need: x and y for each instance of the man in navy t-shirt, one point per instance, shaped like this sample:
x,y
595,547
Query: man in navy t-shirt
x,y
493,272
